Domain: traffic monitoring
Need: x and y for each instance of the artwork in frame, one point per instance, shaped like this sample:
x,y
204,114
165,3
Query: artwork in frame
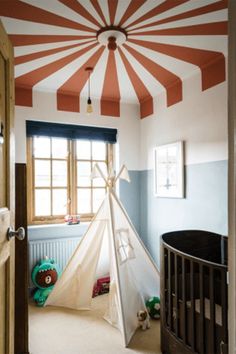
x,y
169,170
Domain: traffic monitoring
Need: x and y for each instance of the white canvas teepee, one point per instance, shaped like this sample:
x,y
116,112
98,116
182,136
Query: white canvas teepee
x,y
110,246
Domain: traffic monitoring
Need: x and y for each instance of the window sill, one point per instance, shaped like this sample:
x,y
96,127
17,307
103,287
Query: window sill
x,y
51,231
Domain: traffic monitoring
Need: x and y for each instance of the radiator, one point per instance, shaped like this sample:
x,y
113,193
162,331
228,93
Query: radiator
x,y
60,250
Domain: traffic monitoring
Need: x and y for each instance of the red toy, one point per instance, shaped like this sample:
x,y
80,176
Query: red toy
x,y
102,286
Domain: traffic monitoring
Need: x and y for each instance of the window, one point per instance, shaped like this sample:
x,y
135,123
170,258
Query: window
x,y
59,172
124,246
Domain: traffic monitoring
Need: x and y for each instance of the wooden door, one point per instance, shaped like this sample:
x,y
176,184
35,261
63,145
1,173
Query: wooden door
x,y
232,175
6,196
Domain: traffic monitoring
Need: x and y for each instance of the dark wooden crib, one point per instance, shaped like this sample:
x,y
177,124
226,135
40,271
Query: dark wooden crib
x,y
194,293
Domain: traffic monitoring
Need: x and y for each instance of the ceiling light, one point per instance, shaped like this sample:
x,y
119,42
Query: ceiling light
x,y
112,43
111,36
89,69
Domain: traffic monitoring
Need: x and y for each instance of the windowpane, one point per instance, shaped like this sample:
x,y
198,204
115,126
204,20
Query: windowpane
x,y
42,147
98,196
42,202
99,182
83,200
59,148
59,173
59,202
83,149
83,174
99,150
42,173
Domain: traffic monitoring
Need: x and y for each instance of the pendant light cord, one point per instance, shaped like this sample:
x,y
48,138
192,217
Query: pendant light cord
x,y
89,85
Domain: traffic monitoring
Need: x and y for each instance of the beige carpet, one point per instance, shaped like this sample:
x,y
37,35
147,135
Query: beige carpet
x,y
63,331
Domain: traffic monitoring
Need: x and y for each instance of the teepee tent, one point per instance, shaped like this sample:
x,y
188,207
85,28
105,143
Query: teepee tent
x,y
110,246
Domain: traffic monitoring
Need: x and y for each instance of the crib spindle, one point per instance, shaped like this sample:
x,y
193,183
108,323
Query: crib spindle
x,y
192,309
202,310
164,285
224,306
212,311
184,322
176,304
169,292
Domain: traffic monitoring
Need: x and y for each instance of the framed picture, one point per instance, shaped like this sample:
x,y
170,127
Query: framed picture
x,y
169,170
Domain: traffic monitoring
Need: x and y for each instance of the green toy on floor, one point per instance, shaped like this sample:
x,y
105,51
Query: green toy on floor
x,y
153,307
44,276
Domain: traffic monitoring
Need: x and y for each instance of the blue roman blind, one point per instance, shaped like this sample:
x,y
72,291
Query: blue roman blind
x,y
70,131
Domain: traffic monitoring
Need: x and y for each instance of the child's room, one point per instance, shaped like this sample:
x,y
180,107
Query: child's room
x,y
116,161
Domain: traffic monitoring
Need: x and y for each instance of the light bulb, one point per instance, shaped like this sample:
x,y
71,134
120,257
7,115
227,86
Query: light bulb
x,y
89,106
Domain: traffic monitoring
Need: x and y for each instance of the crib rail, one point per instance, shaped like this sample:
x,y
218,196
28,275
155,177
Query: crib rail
x,y
194,302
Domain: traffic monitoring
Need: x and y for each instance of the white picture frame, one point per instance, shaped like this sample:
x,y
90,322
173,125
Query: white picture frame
x,y
169,170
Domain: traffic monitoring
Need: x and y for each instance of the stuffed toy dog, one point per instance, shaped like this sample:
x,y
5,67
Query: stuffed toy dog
x,y
143,319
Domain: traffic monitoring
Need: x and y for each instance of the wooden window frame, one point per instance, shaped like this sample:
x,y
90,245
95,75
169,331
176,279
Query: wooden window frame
x,y
71,183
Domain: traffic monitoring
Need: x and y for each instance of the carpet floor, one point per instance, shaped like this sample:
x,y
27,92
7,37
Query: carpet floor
x,y
62,331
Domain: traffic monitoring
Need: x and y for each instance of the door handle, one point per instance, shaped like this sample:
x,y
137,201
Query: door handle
x,y
19,233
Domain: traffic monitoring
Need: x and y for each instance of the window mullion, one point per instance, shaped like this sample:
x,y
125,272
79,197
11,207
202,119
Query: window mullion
x,y
33,177
109,157
51,188
91,181
30,177
73,177
68,209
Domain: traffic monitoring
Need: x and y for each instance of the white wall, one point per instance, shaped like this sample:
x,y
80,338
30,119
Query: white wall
x,y
44,109
200,120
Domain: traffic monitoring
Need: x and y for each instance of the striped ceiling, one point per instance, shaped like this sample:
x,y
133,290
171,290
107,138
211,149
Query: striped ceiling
x,y
167,41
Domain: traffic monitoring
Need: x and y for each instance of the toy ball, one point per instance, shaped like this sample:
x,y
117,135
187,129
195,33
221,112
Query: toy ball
x,y
153,307
44,276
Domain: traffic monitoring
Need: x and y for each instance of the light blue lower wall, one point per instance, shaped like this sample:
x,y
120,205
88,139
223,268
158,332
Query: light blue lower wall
x,y
204,206
130,197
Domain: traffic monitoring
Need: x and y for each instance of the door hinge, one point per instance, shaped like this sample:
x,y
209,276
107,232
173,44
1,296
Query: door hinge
x,y
227,278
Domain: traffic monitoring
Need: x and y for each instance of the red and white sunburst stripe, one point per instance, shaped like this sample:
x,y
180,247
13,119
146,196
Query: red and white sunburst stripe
x,y
166,41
